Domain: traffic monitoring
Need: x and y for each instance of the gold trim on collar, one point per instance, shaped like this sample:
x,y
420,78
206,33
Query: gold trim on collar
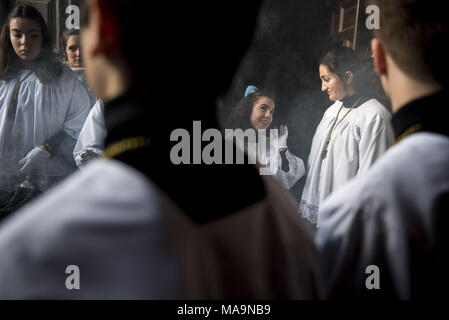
x,y
128,144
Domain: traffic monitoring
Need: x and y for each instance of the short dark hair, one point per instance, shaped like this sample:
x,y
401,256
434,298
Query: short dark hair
x,y
205,39
415,33
21,11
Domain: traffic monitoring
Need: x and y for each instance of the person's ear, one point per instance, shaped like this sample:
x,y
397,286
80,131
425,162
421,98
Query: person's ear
x,y
349,77
380,60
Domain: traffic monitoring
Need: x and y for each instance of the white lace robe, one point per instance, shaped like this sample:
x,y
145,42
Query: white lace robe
x,y
356,143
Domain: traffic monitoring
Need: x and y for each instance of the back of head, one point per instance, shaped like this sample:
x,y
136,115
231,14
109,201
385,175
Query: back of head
x,y
414,33
184,46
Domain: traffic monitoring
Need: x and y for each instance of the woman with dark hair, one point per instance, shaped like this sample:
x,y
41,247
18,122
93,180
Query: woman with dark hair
x,y
43,106
71,48
255,111
353,133
70,43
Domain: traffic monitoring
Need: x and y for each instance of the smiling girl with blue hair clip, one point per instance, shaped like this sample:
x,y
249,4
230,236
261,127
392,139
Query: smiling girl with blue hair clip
x,y
255,111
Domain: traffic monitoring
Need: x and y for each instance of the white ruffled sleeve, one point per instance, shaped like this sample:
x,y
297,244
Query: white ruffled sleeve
x,y
296,170
91,139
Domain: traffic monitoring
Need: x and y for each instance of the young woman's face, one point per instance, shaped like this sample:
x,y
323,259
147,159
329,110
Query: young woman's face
x,y
26,38
332,84
262,114
73,51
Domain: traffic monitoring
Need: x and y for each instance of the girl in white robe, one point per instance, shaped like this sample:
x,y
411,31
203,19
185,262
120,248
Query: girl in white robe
x,y
255,112
43,105
353,133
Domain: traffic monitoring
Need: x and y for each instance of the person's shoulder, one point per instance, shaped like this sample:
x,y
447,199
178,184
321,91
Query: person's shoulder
x,y
100,193
280,207
332,109
87,221
400,174
67,74
371,113
374,109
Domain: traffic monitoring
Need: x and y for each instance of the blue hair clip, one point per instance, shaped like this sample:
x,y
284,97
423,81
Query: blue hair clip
x,y
250,89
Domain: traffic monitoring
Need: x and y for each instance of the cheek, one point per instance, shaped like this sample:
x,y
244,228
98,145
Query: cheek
x,y
258,115
36,45
15,43
253,118
336,87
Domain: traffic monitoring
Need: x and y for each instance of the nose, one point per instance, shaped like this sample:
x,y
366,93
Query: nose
x,y
78,53
323,87
268,115
24,40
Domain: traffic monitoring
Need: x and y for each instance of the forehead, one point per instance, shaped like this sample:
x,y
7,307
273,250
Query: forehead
x,y
73,40
24,25
267,101
324,70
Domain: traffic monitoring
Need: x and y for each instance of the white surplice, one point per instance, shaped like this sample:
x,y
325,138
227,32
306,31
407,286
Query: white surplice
x,y
356,143
92,136
31,113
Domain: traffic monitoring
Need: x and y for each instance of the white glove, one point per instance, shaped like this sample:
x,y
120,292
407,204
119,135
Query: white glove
x,y
35,158
282,138
87,155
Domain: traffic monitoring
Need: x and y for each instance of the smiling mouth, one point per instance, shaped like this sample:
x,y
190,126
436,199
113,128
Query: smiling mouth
x,y
264,122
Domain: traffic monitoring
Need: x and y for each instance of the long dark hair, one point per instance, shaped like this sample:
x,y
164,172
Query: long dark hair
x,y
46,65
240,116
343,59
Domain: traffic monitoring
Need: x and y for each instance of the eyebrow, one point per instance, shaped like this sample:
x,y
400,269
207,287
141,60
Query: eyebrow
x,y
29,31
265,105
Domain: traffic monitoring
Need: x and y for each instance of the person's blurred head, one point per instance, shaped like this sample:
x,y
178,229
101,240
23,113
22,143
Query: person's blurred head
x,y
71,46
339,73
190,49
411,43
255,110
24,35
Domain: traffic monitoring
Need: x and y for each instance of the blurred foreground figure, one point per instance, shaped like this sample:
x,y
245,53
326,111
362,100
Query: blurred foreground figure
x,y
136,225
384,235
